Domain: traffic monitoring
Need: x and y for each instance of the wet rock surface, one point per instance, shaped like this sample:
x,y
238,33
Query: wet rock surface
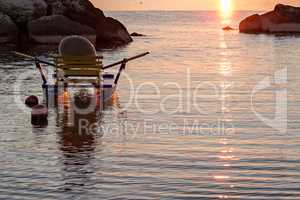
x,y
37,21
283,19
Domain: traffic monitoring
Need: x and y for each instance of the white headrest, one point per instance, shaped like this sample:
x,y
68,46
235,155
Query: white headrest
x,y
76,46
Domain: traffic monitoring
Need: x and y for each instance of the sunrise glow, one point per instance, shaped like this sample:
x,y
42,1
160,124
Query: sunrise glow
x,y
226,7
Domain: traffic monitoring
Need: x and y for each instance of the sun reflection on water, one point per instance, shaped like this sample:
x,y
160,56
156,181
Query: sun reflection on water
x,y
226,158
225,66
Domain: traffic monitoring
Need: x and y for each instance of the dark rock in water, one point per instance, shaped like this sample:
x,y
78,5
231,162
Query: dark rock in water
x,y
8,29
106,30
283,19
109,31
135,34
39,115
228,28
31,101
81,11
290,12
62,7
252,24
21,11
52,29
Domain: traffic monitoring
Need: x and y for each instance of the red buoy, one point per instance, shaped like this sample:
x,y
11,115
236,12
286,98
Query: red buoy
x,y
31,101
39,115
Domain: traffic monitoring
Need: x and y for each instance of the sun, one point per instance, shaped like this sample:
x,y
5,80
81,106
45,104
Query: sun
x,y
225,7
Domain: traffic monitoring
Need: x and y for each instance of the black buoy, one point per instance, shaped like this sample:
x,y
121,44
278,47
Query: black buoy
x,y
31,101
39,115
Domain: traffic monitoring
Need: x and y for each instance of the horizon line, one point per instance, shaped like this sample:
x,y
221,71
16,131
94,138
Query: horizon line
x,y
166,10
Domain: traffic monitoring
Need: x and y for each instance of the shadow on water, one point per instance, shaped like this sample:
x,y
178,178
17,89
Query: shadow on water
x,y
77,143
79,135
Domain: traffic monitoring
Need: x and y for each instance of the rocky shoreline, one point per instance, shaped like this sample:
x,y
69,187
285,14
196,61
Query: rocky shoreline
x,y
283,19
48,21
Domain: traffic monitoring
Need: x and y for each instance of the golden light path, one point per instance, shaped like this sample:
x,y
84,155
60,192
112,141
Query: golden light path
x,y
226,11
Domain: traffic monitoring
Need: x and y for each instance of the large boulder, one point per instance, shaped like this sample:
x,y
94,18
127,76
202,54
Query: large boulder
x,y
63,6
46,21
252,24
112,32
109,31
52,29
290,12
21,11
8,29
283,19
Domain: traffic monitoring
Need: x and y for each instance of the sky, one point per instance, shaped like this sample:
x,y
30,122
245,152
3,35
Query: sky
x,y
188,4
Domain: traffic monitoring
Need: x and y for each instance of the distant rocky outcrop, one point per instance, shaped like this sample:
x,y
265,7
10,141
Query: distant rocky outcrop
x,y
47,21
135,34
228,28
283,19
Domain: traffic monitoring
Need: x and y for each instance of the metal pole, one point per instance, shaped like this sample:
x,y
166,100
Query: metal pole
x,y
34,58
126,60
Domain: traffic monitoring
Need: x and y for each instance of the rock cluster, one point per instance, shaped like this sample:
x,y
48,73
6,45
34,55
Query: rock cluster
x,y
48,21
283,19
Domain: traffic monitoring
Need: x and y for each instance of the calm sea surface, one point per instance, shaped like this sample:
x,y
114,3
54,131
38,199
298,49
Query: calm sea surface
x,y
208,115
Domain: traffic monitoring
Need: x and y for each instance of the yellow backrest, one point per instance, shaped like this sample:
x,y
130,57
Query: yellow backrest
x,y
81,66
